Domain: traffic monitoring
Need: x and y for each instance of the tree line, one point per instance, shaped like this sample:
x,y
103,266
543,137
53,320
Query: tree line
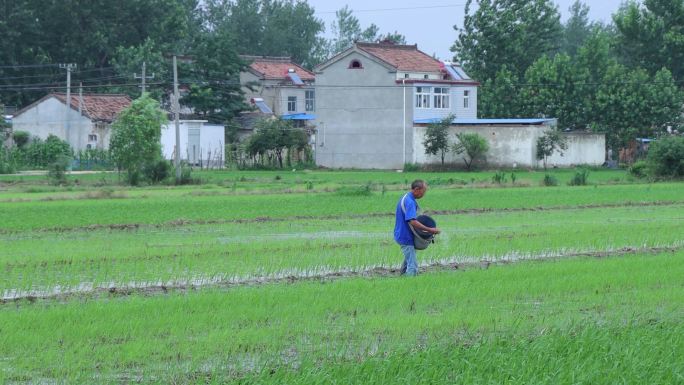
x,y
623,78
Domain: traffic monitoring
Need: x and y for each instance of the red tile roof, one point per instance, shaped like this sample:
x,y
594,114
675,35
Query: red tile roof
x,y
98,107
276,68
402,57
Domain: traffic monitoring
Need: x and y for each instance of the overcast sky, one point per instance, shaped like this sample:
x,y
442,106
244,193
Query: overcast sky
x,y
430,23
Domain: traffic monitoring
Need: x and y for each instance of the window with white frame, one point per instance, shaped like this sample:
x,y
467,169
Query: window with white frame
x,y
309,100
423,97
291,104
441,97
466,99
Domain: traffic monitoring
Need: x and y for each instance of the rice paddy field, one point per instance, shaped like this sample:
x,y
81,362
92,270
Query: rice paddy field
x,y
292,277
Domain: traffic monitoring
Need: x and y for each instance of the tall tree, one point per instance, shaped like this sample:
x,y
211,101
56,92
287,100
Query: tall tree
x,y
631,104
500,97
347,29
514,33
85,33
652,36
269,27
576,29
555,88
214,78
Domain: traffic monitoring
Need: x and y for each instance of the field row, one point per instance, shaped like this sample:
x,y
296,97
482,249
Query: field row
x,y
49,262
608,320
166,208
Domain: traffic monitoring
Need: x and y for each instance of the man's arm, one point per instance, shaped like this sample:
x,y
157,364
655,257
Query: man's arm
x,y
420,226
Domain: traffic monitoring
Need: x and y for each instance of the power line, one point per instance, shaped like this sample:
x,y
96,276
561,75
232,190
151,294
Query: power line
x,y
398,8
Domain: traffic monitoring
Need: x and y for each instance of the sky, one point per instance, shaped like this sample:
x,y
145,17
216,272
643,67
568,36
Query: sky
x,y
429,23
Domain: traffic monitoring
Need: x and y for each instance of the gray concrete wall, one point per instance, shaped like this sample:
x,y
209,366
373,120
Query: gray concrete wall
x,y
588,149
360,116
515,146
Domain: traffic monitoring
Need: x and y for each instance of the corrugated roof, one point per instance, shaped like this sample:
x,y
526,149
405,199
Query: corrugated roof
x,y
402,57
277,68
99,107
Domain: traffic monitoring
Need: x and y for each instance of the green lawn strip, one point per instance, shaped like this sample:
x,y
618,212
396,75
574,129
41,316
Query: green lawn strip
x,y
323,328
34,260
16,216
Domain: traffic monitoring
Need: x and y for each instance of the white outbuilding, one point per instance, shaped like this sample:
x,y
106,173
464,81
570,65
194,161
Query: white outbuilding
x,y
201,144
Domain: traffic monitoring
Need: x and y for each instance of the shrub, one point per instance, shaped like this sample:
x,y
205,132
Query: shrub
x,y
8,163
473,145
21,138
157,170
666,157
57,170
411,167
499,177
549,180
639,169
580,179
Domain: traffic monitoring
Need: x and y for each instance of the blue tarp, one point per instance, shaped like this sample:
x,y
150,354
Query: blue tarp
x,y
300,116
485,121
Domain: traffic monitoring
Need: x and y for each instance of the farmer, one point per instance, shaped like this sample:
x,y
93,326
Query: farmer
x,y
402,233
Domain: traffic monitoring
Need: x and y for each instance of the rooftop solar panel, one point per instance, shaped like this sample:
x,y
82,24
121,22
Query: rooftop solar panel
x,y
295,78
261,105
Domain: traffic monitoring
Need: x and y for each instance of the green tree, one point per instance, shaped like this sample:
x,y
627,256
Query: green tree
x,y
273,137
129,60
347,29
500,97
652,36
576,29
514,33
269,27
437,137
554,88
136,137
630,104
666,157
549,143
215,92
85,33
473,146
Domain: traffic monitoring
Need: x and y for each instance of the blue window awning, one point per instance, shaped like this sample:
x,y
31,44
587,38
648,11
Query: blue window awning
x,y
300,116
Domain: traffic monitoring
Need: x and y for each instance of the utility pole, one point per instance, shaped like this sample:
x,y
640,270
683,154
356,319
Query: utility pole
x,y
176,110
143,77
68,67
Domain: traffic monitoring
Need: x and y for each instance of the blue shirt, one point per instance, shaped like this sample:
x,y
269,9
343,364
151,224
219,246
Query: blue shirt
x,y
402,232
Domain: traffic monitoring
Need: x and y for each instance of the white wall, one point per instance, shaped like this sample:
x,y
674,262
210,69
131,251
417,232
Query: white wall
x,y
589,149
47,118
511,145
212,140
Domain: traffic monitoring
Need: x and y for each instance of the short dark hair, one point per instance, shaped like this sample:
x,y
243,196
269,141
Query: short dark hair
x,y
418,183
